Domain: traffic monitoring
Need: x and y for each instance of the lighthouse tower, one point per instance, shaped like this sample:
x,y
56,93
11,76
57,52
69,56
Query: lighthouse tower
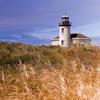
x,y
64,32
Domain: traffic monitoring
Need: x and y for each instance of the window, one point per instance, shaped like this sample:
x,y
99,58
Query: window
x,y
62,42
62,30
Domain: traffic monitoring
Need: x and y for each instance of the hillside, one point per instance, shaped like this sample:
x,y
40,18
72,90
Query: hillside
x,y
49,73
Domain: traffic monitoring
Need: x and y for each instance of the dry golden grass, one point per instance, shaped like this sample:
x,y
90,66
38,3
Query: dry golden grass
x,y
49,73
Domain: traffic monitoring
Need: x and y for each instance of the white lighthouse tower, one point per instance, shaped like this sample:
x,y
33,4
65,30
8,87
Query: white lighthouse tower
x,y
64,32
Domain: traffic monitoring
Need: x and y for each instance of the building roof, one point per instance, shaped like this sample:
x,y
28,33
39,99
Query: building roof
x,y
65,16
56,38
73,36
78,35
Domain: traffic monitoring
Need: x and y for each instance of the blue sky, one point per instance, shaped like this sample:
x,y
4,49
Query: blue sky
x,y
37,20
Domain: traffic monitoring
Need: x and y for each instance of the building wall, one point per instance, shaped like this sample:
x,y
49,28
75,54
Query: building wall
x,y
55,42
73,41
81,41
65,36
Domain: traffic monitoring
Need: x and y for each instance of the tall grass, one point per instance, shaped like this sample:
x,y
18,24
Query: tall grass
x,y
49,73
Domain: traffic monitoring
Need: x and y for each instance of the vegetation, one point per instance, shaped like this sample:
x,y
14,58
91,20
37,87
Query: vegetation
x,y
49,73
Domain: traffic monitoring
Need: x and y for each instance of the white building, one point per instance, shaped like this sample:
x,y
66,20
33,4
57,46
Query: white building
x,y
66,38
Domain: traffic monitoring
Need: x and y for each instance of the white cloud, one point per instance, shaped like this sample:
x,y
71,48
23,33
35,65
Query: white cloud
x,y
92,29
44,33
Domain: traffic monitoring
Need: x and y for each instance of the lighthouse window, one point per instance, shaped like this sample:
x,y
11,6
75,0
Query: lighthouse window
x,y
62,30
62,42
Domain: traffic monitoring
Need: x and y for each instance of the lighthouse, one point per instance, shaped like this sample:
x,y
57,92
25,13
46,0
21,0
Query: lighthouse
x,y
68,39
64,32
